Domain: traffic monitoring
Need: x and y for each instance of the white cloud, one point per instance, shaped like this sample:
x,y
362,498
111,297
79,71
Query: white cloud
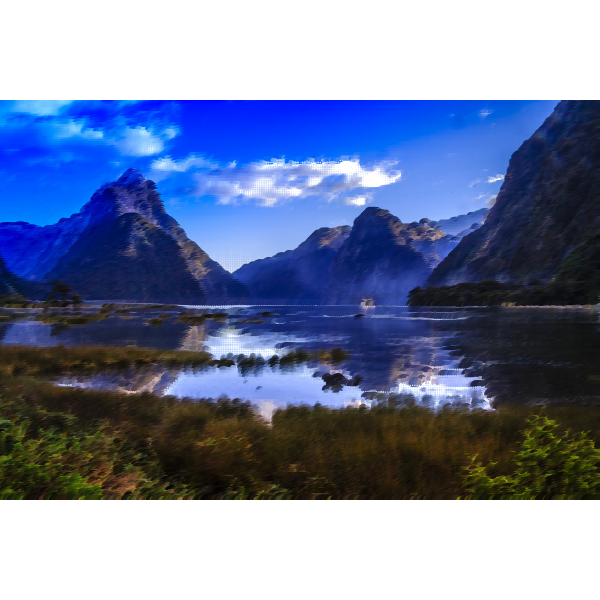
x,y
168,165
357,200
170,133
483,113
138,141
491,200
274,181
74,129
475,182
498,177
41,108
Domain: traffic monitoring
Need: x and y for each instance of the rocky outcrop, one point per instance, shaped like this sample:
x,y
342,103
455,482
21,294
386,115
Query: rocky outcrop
x,y
547,206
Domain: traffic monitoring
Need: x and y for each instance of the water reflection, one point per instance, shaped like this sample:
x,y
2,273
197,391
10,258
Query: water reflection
x,y
469,356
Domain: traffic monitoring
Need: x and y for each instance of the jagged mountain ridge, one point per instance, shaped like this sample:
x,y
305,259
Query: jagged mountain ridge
x,y
379,257
547,206
34,252
295,275
378,260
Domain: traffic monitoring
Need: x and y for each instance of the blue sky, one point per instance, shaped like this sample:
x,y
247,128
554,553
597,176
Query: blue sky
x,y
248,179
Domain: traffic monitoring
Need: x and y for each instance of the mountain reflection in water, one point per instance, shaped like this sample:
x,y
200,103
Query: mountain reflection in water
x,y
463,356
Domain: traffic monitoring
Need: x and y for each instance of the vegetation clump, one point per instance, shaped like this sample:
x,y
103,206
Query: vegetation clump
x,y
61,296
576,282
65,442
193,319
548,466
47,361
70,318
15,301
156,322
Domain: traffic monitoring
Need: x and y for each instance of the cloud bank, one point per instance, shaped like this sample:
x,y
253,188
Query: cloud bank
x,y
272,182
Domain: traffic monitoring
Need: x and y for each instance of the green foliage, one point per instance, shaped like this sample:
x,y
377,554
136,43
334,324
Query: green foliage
x,y
548,466
576,281
39,468
578,277
62,296
493,293
14,300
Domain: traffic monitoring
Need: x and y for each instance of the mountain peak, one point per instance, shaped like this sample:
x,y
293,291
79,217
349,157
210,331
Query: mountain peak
x,y
131,176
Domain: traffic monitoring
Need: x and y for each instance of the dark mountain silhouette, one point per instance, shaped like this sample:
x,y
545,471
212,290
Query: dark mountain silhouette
x,y
117,258
379,257
547,207
296,276
378,261
43,253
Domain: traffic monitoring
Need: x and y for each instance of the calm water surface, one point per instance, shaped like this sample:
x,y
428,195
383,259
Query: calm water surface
x,y
470,356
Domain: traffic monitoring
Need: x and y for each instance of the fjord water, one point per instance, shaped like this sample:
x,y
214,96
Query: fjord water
x,y
475,356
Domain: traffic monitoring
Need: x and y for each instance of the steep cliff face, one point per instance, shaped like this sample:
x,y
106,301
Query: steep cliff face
x,y
296,276
127,258
35,252
378,261
548,205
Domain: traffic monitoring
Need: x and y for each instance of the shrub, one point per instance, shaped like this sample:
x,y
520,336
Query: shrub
x,y
548,466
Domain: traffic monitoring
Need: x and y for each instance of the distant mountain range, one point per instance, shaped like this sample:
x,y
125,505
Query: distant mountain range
x,y
379,257
123,245
543,229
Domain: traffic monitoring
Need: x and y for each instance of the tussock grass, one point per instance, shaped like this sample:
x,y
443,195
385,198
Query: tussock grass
x,y
224,449
54,360
64,442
